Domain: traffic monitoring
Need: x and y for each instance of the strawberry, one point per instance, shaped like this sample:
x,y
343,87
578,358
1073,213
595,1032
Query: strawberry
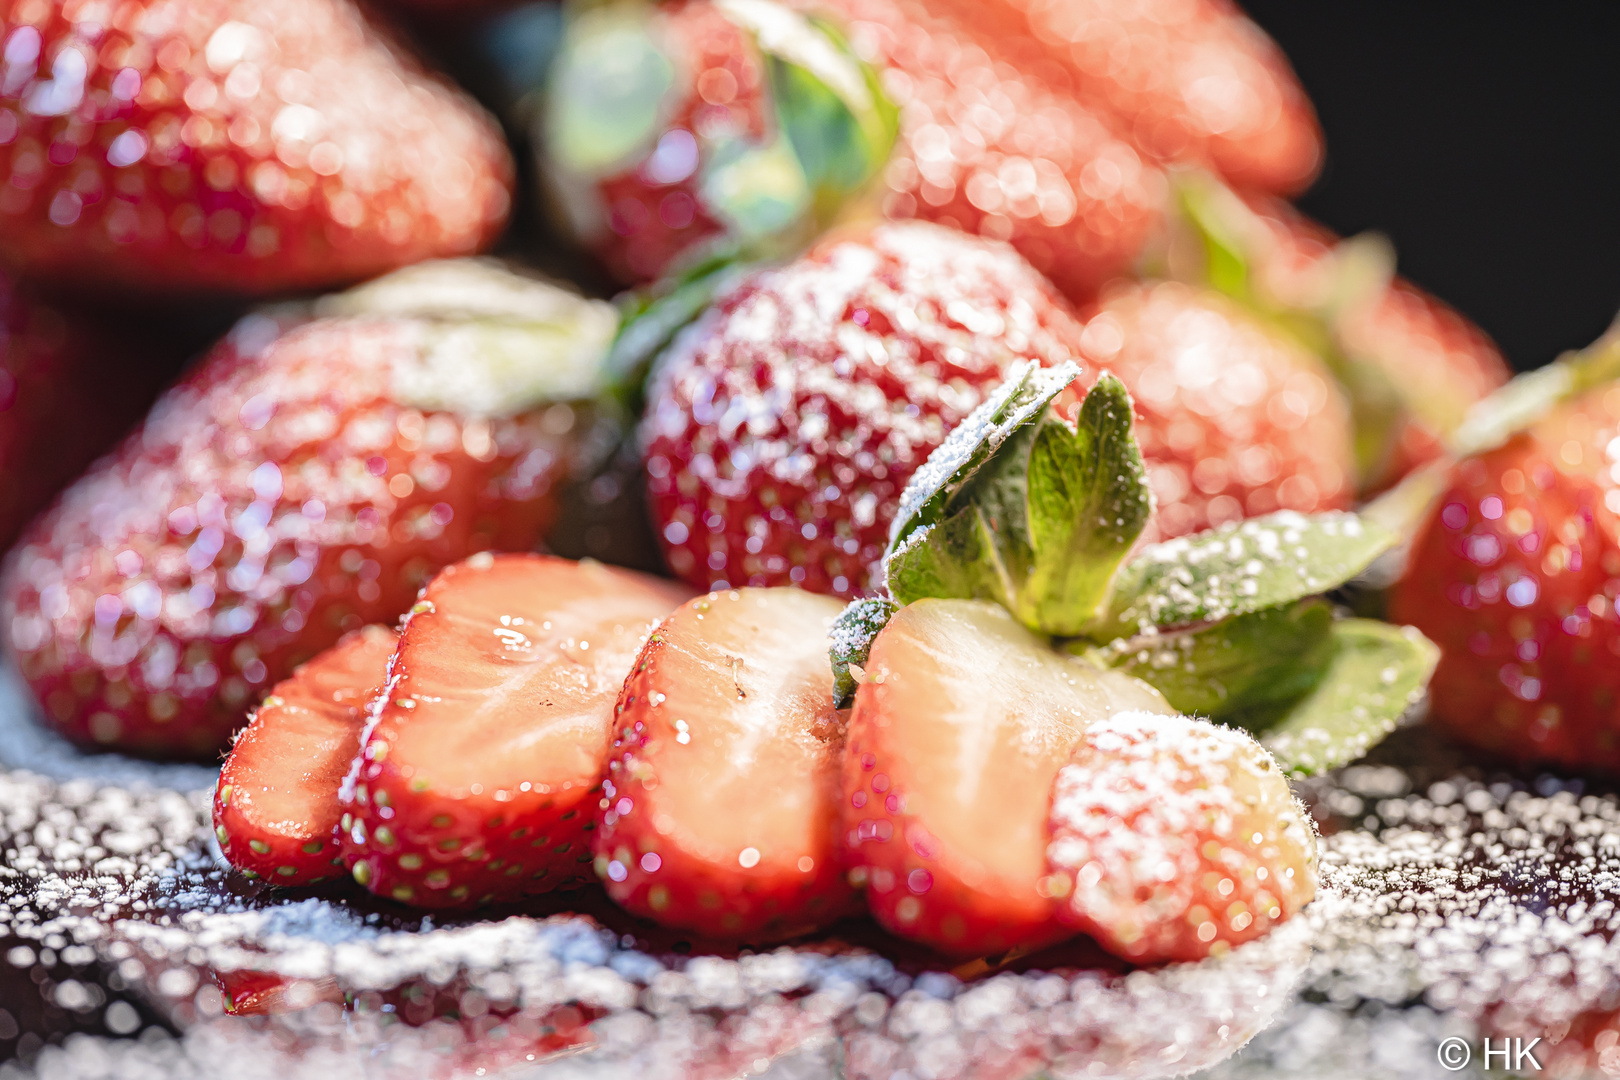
x,y
721,804
957,735
479,771
68,389
981,146
275,807
1189,80
782,428
1514,573
301,483
1236,419
232,146
1001,792
1176,839
1410,366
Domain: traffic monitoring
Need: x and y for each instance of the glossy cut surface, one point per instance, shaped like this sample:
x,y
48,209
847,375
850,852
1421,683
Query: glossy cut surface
x,y
478,777
958,732
722,798
276,806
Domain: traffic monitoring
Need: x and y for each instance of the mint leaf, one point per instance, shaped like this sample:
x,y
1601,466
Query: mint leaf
x,y
606,99
1374,673
851,636
1235,569
1248,670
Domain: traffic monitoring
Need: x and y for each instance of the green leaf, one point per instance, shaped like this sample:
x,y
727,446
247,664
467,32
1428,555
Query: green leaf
x,y
829,103
1017,402
1247,669
1246,566
851,635
1088,502
649,318
1374,673
1020,508
605,103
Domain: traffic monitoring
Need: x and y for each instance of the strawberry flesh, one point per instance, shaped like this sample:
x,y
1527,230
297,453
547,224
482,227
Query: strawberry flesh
x,y
1177,839
721,805
958,731
479,773
276,806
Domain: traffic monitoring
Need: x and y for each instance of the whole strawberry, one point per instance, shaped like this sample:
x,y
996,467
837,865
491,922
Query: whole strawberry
x,y
301,483
232,146
756,122
1514,574
782,428
1411,366
1187,80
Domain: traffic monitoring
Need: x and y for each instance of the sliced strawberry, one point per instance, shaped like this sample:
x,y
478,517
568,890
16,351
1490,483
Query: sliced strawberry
x,y
959,730
721,807
1177,839
479,772
276,807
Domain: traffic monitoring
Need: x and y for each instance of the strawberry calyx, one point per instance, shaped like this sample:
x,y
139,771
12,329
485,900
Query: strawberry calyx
x,y
489,342
615,85
1218,240
1018,507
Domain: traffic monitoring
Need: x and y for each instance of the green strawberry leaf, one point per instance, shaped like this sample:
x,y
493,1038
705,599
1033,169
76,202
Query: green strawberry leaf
x,y
606,99
1374,673
1018,507
1018,401
650,317
851,636
1240,568
1243,669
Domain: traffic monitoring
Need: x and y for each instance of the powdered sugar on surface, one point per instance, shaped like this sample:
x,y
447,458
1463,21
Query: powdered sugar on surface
x,y
1451,903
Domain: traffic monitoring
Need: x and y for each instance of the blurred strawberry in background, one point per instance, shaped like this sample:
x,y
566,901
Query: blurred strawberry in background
x,y
229,146
305,480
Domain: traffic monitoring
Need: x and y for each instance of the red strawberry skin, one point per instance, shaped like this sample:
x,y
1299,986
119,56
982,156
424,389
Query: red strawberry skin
x,y
721,807
478,778
277,498
231,146
1514,575
1186,81
1446,362
276,805
783,428
1234,419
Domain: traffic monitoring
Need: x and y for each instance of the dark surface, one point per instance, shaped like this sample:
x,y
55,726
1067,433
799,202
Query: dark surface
x,y
1481,138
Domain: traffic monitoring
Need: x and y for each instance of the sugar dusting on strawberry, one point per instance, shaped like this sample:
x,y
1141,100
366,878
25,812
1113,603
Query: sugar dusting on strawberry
x,y
1177,838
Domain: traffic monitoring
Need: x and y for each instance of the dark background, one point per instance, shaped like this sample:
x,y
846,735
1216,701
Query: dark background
x,y
1484,139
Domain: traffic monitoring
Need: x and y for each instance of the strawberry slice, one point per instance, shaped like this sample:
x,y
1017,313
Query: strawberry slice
x,y
959,730
478,775
275,808
721,808
1177,839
